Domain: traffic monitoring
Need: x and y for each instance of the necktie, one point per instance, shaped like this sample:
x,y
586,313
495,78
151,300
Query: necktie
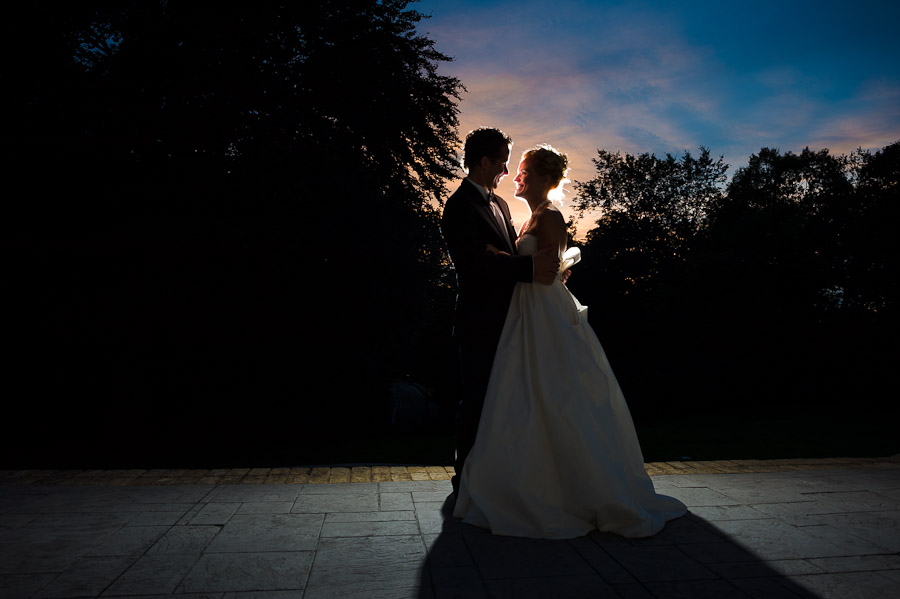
x,y
497,213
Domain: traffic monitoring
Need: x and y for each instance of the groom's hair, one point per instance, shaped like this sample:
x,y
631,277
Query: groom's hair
x,y
484,141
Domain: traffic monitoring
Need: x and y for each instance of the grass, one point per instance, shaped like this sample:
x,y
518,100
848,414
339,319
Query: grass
x,y
802,434
700,436
703,435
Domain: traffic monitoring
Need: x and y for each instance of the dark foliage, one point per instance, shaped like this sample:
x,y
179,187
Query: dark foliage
x,y
225,245
776,293
223,248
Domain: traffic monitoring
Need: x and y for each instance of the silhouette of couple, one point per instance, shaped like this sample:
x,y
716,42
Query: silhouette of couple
x,y
546,447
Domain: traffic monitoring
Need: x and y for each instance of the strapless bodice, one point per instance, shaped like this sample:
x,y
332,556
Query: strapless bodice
x,y
526,244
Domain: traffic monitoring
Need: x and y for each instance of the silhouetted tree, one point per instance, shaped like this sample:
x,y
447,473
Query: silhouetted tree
x,y
637,262
767,266
869,242
226,206
652,210
776,228
677,193
749,296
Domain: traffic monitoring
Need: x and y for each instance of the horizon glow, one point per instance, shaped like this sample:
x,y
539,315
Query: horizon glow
x,y
651,77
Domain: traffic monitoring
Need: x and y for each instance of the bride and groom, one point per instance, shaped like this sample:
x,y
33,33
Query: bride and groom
x,y
546,447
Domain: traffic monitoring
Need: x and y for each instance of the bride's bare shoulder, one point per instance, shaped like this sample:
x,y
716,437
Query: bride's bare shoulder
x,y
551,216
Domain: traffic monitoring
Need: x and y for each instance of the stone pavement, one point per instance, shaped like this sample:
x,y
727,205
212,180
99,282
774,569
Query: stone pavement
x,y
767,529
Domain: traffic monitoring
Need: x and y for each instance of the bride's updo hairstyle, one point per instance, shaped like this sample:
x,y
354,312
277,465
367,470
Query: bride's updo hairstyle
x,y
546,161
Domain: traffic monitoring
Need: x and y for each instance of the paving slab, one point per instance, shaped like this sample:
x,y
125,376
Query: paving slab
x,y
756,529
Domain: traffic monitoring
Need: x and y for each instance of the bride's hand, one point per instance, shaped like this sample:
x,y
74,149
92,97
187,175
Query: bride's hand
x,y
496,251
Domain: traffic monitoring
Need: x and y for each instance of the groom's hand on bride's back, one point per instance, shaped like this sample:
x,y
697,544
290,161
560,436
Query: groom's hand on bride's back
x,y
546,266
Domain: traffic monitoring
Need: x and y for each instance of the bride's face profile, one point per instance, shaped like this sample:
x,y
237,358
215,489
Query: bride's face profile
x,y
529,185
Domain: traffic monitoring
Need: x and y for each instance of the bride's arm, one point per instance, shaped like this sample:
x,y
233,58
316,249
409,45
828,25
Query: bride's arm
x,y
550,229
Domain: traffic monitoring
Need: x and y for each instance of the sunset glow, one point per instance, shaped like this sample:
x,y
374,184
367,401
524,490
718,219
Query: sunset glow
x,y
660,78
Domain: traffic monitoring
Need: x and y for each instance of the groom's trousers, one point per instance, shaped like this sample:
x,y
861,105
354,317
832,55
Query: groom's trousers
x,y
475,362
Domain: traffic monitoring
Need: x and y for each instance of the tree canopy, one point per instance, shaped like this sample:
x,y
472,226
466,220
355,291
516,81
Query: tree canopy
x,y
747,293
226,247
225,204
653,209
273,99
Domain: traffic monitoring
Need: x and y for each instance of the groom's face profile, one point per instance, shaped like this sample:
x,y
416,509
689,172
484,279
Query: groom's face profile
x,y
497,167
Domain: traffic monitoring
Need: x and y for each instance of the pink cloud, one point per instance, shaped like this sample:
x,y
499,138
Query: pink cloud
x,y
628,80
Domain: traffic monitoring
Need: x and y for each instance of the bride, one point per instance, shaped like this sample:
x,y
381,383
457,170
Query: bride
x,y
556,455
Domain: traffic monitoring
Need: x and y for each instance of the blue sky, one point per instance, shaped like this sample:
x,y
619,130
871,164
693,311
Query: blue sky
x,y
664,77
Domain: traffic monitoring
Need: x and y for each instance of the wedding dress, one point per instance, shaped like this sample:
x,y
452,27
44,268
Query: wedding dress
x,y
556,455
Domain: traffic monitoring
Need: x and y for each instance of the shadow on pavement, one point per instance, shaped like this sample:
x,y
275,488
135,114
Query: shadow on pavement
x,y
690,558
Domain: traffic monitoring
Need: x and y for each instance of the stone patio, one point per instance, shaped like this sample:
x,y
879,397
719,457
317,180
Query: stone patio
x,y
778,528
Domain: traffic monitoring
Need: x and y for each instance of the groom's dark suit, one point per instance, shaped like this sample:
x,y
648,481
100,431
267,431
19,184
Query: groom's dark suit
x,y
485,282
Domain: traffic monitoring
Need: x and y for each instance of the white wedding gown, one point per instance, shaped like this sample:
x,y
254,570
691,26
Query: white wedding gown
x,y
556,454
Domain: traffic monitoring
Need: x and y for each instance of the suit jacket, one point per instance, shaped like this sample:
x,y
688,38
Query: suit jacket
x,y
485,281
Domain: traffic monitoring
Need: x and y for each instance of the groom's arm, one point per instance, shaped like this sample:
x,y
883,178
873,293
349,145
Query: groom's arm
x,y
460,226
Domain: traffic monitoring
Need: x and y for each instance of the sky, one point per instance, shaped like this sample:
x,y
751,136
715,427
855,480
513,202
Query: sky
x,y
661,77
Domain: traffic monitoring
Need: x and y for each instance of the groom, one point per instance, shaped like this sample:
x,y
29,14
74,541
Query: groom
x,y
474,216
